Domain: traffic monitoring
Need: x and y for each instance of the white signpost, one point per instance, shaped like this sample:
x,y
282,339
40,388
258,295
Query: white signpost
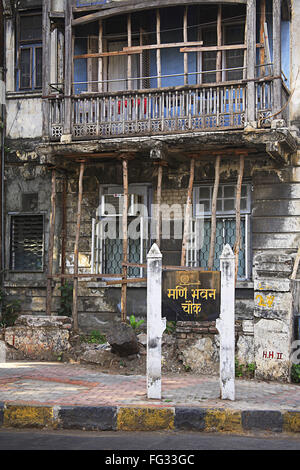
x,y
225,324
156,324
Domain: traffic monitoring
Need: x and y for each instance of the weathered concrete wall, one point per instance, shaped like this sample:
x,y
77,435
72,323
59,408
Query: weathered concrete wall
x,y
24,117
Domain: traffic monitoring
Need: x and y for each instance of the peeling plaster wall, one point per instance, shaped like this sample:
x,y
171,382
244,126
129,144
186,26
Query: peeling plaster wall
x,y
24,118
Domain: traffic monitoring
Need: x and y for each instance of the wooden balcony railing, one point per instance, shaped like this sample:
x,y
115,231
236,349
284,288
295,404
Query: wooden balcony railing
x,y
164,111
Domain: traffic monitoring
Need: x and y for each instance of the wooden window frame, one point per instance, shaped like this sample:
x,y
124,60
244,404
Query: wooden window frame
x,y
33,45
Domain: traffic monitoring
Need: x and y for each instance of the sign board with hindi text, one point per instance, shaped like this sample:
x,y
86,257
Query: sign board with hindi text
x,y
191,295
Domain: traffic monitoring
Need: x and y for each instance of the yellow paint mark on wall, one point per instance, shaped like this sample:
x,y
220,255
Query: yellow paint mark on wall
x,y
223,420
291,421
145,419
28,416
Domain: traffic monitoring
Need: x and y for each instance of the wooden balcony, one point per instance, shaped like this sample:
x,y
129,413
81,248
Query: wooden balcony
x,y
174,110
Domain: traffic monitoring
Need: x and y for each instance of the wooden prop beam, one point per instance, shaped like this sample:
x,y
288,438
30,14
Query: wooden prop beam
x,y
158,58
76,248
214,215
219,43
227,47
158,204
185,39
51,243
126,281
100,61
167,45
125,241
187,215
238,215
64,226
129,61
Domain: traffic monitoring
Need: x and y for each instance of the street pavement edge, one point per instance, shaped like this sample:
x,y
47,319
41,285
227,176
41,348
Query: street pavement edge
x,y
147,418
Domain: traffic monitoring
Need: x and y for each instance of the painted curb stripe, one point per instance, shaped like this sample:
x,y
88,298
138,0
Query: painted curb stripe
x,y
148,418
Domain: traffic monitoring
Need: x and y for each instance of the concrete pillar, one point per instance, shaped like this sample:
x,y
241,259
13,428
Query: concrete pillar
x,y
2,352
155,324
225,324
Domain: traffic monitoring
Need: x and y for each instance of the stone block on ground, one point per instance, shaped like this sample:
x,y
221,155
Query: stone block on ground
x,y
123,340
40,337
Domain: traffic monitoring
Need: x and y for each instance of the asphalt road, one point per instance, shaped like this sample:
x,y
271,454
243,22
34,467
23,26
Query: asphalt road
x,y
11,439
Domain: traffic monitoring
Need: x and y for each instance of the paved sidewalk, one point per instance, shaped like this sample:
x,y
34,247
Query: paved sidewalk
x,y
71,395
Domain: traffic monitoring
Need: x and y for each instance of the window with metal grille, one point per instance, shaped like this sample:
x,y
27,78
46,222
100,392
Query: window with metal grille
x,y
226,224
29,75
107,243
26,242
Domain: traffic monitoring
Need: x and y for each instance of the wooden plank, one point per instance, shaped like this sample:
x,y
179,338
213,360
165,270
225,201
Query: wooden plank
x,y
277,99
64,225
68,70
158,43
214,214
46,65
219,44
168,45
185,39
125,241
262,52
96,55
167,267
187,214
76,248
251,60
158,204
51,242
100,61
238,215
126,281
228,47
129,61
84,276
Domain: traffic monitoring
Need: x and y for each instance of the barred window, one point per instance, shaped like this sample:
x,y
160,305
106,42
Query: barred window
x,y
27,242
226,225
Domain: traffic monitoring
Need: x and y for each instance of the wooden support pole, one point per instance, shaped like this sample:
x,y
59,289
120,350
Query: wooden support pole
x,y
129,58
68,69
158,204
100,60
251,60
64,226
187,215
46,65
262,52
158,58
125,241
213,228
277,86
219,43
185,39
238,215
51,243
76,249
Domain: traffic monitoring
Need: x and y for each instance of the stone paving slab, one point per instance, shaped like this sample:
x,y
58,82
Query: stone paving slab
x,y
73,393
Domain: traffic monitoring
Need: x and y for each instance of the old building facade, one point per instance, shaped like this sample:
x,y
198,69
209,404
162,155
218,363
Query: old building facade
x,y
129,122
